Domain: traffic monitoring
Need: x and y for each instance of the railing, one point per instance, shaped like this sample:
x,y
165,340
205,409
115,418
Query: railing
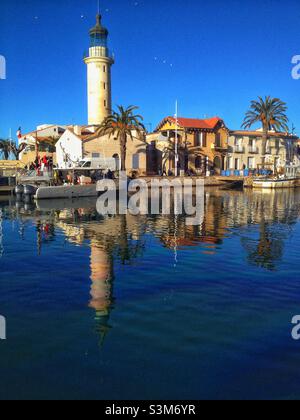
x,y
98,52
253,150
219,146
239,149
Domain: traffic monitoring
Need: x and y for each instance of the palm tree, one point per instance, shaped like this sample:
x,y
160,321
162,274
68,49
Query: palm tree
x,y
271,112
5,148
120,125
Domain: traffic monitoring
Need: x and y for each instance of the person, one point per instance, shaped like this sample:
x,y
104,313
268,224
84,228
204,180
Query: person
x,y
109,174
45,164
50,163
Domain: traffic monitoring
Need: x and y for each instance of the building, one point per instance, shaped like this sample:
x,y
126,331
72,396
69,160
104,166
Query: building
x,y
41,141
99,62
83,142
202,144
70,146
246,150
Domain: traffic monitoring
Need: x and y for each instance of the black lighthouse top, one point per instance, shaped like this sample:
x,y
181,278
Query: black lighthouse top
x,y
98,34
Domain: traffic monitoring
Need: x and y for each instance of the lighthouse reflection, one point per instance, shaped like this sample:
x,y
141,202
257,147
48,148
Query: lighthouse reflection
x,y
102,277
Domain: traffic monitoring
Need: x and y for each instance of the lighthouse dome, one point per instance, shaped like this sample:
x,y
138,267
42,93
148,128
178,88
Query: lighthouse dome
x,y
98,34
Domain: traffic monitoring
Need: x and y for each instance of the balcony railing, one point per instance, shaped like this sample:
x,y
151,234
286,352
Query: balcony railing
x,y
239,149
221,147
253,150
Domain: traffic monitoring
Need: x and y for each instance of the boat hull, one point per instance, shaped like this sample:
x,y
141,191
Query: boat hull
x,y
72,191
275,184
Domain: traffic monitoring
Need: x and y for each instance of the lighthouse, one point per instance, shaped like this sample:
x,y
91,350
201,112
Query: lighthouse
x,y
99,62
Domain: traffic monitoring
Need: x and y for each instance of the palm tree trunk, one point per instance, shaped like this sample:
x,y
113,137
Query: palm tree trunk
x,y
264,141
36,147
123,151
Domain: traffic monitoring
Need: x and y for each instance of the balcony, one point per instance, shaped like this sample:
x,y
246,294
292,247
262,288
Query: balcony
x,y
253,150
221,148
98,52
238,149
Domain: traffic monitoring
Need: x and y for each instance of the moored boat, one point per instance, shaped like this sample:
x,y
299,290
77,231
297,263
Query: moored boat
x,y
265,183
289,180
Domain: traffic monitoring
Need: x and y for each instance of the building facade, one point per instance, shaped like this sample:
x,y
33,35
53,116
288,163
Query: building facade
x,y
41,142
202,144
83,142
246,150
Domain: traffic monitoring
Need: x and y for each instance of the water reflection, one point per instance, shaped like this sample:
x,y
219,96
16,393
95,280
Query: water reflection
x,y
262,221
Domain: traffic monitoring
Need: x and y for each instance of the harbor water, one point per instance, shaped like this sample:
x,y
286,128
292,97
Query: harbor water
x,y
145,307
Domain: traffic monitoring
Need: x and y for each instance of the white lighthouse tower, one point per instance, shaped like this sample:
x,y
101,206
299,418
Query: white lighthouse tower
x,y
99,62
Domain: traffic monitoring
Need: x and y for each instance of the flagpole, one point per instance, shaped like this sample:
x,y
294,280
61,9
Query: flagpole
x,y
10,140
176,140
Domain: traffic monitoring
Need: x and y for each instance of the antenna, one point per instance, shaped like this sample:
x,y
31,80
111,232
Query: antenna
x,y
98,7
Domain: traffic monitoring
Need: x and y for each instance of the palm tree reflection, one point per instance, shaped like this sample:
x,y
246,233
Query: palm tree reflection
x,y
267,251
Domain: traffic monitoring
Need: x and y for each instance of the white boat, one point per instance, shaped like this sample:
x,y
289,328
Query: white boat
x,y
67,192
289,180
264,183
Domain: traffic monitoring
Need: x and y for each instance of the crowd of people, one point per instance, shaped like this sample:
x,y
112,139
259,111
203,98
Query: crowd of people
x,y
82,178
41,165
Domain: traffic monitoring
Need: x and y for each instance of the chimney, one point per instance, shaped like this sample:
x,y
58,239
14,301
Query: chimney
x,y
77,130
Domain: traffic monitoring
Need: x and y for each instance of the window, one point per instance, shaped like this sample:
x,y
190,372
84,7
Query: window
x,y
237,164
95,155
198,162
104,69
197,139
104,85
251,163
105,103
218,140
136,161
204,139
117,162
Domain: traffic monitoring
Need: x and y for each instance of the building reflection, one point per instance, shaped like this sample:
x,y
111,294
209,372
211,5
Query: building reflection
x,y
261,221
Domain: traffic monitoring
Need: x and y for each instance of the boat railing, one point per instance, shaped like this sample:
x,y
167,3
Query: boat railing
x,y
25,175
292,171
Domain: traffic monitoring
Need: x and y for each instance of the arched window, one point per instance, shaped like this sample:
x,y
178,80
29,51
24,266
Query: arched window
x,y
117,162
136,161
198,162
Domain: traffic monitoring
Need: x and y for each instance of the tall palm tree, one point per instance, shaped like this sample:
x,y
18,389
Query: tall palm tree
x,y
120,125
5,148
271,112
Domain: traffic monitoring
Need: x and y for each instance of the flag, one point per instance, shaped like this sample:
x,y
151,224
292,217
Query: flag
x,y
19,133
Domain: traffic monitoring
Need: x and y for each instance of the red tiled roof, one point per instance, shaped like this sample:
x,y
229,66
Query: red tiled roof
x,y
206,124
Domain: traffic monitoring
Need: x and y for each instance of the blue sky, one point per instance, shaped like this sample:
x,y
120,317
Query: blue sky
x,y
214,57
